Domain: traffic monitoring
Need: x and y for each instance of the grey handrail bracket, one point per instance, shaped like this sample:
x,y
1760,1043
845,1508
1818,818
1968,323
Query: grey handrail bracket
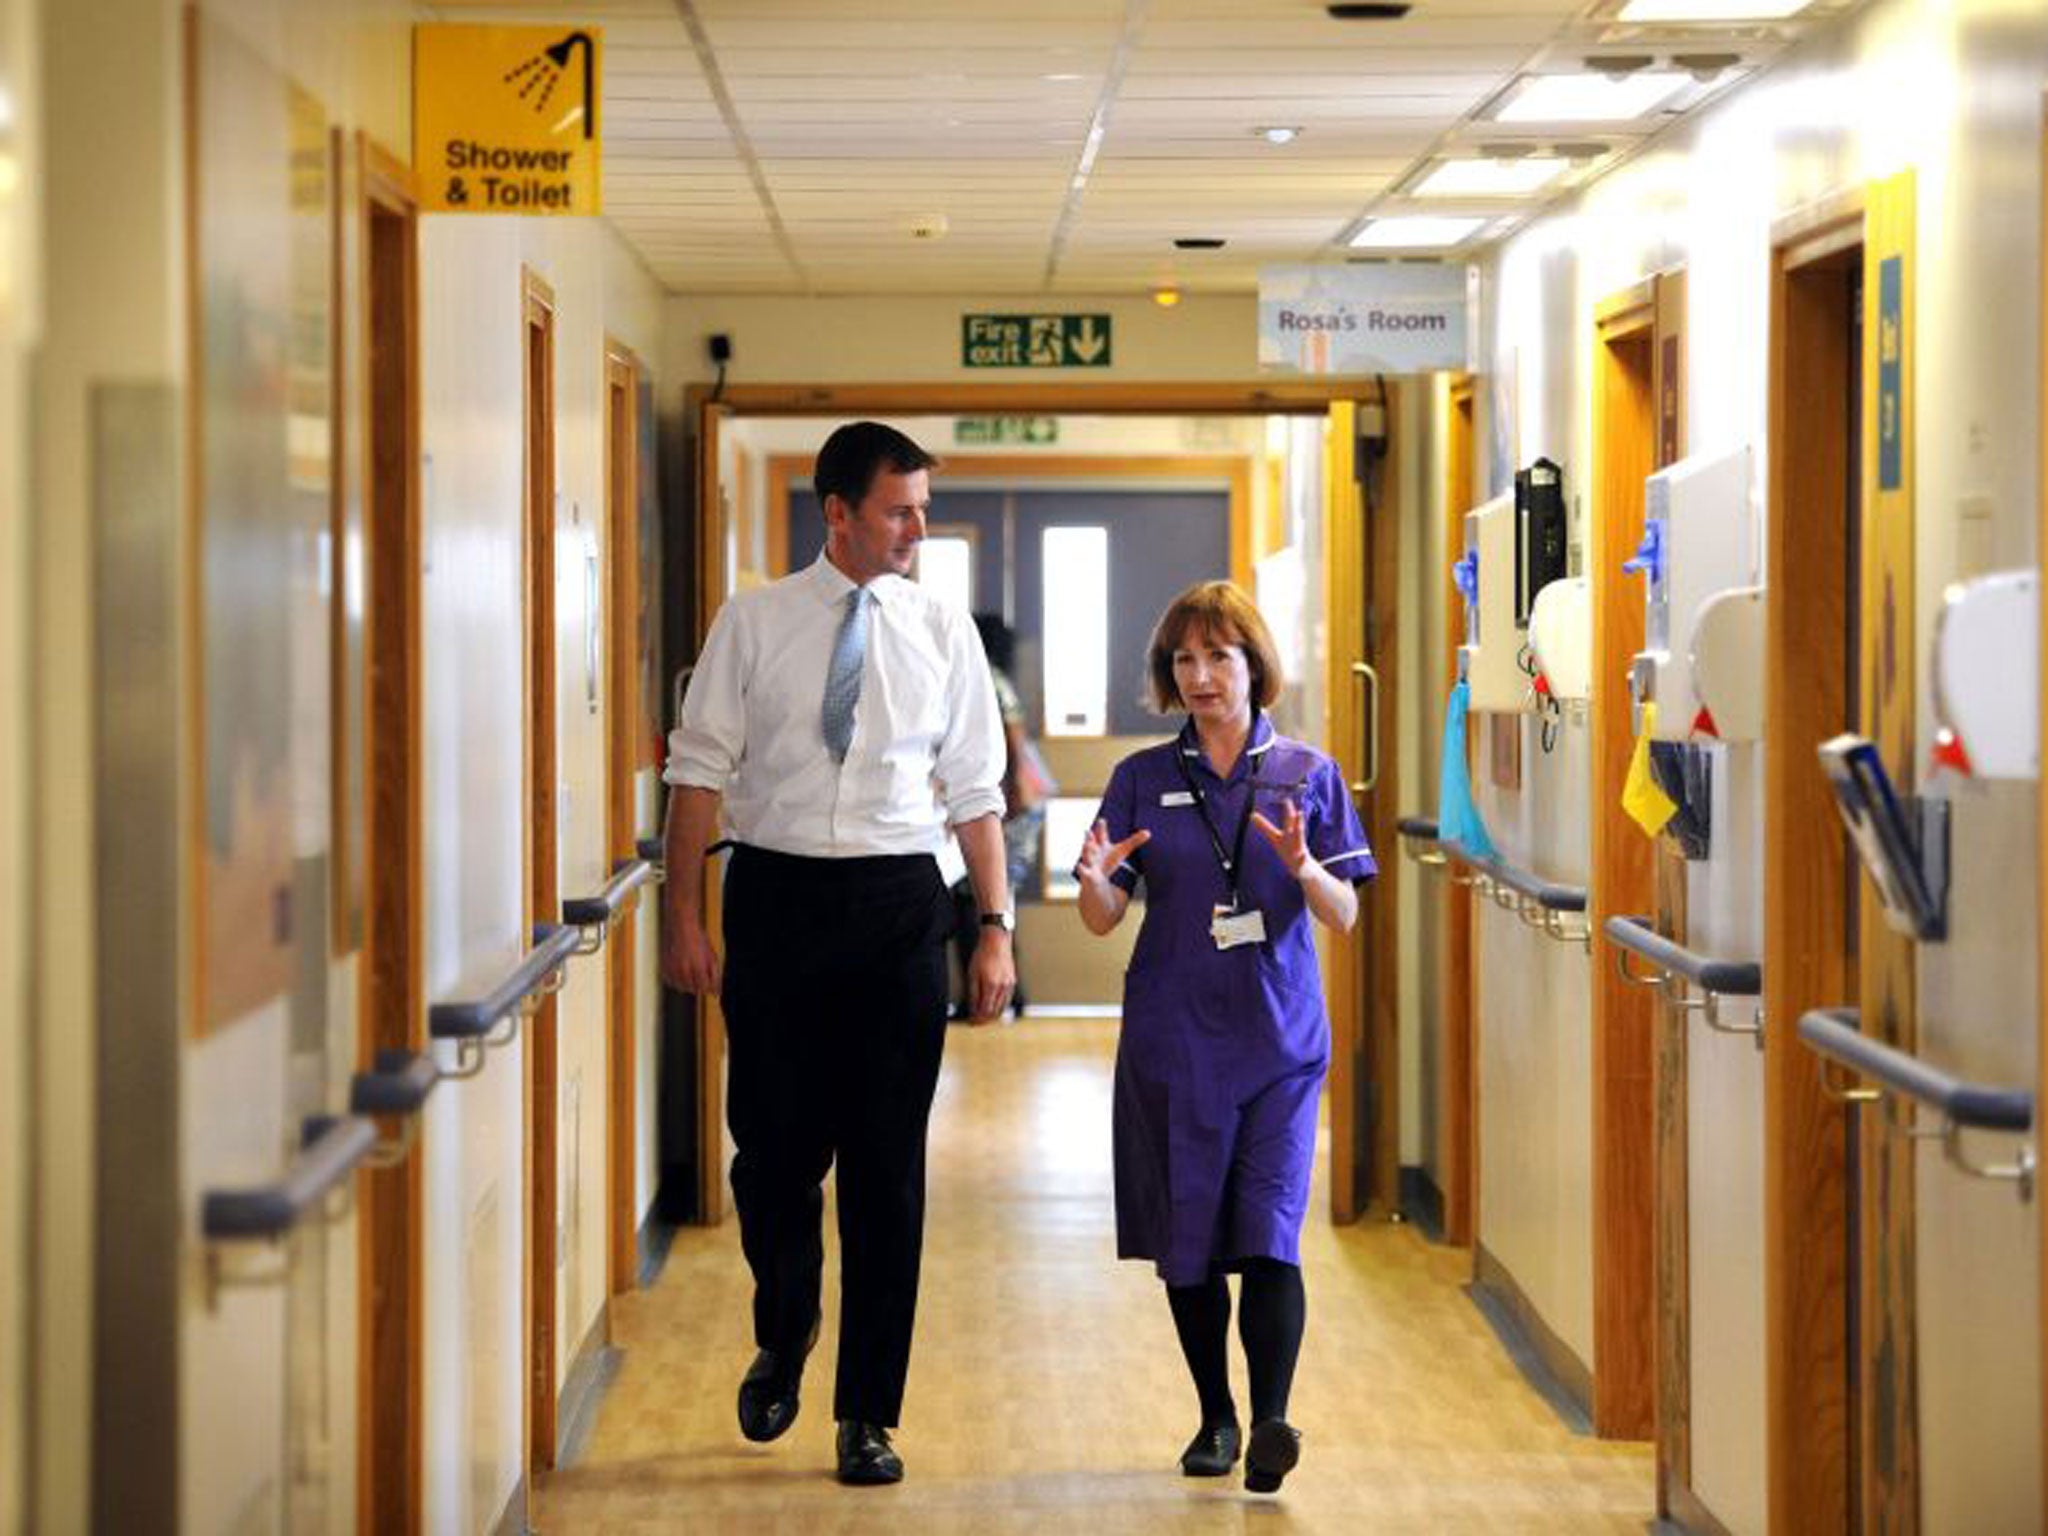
x,y
654,851
1419,841
478,1024
331,1148
592,916
1544,905
1678,968
395,1088
1905,1083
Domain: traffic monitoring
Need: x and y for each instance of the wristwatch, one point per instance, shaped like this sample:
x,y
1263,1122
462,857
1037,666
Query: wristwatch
x,y
1005,920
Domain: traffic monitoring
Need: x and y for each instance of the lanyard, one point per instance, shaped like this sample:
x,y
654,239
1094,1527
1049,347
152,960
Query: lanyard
x,y
1234,860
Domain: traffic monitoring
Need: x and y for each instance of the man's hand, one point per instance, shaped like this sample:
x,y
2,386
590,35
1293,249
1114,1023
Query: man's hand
x,y
688,962
993,975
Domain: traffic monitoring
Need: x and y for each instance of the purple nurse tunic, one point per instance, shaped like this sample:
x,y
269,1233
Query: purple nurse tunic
x,y
1223,1052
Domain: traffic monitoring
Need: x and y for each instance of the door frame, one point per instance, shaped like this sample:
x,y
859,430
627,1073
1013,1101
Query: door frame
x,y
1622,881
1361,575
708,409
541,769
1809,1410
1457,976
623,373
390,1236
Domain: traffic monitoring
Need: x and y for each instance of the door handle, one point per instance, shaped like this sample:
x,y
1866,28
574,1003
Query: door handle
x,y
1363,671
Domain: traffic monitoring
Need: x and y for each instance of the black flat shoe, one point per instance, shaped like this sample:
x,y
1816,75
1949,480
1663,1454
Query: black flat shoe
x,y
1213,1451
1275,1448
768,1392
866,1458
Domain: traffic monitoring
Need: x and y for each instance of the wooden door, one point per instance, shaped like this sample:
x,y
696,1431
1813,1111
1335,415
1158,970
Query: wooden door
x,y
392,996
1361,553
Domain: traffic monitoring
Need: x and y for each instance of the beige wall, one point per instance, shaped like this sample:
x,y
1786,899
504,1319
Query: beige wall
x,y
893,338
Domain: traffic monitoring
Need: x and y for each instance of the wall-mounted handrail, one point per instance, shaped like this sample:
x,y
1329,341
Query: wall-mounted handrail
x,y
1541,903
1836,1035
1732,978
472,1023
594,914
397,1086
1419,841
330,1149
655,851
1715,979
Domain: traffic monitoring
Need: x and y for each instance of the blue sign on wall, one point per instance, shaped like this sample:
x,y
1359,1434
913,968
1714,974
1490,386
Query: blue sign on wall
x,y
1891,389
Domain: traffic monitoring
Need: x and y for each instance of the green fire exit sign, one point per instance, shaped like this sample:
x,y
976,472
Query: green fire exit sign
x,y
1034,341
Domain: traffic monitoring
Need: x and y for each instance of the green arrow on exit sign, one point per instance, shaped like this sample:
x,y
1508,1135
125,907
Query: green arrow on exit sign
x,y
1034,341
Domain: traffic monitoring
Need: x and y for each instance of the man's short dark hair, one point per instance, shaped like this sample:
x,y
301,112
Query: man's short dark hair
x,y
852,455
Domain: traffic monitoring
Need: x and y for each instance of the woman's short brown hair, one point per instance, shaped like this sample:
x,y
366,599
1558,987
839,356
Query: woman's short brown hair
x,y
1220,610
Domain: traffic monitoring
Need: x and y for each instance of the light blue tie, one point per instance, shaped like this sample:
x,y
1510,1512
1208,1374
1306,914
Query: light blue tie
x,y
842,678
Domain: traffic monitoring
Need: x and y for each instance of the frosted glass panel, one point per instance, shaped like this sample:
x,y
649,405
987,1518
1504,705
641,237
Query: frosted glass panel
x,y
1076,631
1066,824
946,565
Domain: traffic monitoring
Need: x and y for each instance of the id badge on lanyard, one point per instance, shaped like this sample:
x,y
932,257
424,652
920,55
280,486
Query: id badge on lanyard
x,y
1231,924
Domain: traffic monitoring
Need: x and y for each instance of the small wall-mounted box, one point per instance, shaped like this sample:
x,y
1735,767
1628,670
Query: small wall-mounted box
x,y
1986,676
1561,638
1540,545
1728,665
1699,538
1490,658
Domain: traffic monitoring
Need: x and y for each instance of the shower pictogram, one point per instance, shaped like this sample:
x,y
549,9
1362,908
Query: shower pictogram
x,y
535,80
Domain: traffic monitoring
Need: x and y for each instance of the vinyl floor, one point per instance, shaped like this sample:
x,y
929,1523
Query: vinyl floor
x,y
1047,1393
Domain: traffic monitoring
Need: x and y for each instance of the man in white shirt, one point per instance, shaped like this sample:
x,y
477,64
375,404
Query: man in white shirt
x,y
841,719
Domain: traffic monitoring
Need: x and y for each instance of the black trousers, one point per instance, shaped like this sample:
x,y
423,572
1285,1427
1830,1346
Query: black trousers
x,y
835,1011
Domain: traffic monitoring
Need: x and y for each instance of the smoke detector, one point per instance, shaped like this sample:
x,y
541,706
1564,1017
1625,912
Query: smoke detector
x,y
927,226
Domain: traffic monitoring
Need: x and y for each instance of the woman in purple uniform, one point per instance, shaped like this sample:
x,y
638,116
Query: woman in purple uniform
x,y
1225,1040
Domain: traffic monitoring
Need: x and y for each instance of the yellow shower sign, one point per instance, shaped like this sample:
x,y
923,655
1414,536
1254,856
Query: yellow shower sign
x,y
505,118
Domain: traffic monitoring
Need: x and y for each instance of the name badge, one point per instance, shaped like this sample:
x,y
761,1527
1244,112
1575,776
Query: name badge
x,y
1230,929
1176,797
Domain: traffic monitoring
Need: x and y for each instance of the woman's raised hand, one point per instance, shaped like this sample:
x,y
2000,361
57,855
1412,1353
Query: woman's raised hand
x,y
1289,839
1100,858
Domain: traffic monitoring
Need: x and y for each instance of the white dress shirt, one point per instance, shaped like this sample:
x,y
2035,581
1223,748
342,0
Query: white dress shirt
x,y
927,743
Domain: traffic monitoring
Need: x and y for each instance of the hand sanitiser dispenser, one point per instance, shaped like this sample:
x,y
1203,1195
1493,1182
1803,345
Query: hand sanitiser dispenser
x,y
1699,537
1485,576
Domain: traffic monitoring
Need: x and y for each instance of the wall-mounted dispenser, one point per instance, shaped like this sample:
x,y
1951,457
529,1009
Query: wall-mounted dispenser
x,y
1728,665
1561,637
1489,659
1699,538
1540,549
1986,670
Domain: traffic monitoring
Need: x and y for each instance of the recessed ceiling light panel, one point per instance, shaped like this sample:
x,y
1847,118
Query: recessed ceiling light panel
x,y
1490,178
1588,98
1412,232
1711,10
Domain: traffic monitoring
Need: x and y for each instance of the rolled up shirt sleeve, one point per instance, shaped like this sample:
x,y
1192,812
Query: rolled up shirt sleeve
x,y
705,746
973,752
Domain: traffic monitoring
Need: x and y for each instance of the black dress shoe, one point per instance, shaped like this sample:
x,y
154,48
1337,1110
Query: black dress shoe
x,y
768,1392
1275,1448
865,1455
1213,1451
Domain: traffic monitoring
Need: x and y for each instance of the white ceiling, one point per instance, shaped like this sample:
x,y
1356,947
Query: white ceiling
x,y
796,146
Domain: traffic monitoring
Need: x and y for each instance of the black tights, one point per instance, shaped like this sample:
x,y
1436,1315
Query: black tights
x,y
1273,1310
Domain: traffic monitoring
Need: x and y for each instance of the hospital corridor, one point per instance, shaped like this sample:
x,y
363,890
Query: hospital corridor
x,y
932,766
